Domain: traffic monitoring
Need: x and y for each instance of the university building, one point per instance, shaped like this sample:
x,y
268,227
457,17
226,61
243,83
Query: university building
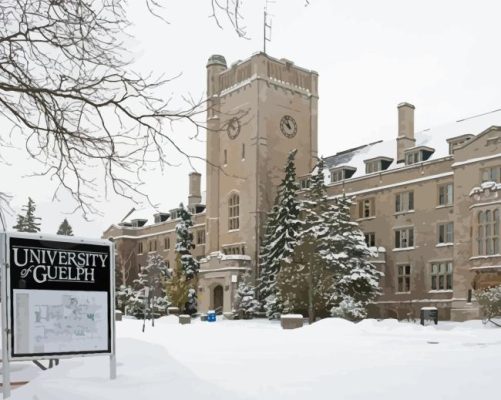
x,y
427,202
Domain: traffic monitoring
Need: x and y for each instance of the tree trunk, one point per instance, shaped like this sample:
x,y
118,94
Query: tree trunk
x,y
311,308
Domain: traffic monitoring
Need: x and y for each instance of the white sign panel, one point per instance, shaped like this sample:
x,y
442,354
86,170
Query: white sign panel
x,y
49,321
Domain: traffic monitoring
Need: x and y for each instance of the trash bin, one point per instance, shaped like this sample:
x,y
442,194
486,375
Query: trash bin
x,y
429,314
211,316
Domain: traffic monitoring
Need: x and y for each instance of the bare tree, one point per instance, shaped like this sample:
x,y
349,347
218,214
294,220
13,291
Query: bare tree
x,y
68,89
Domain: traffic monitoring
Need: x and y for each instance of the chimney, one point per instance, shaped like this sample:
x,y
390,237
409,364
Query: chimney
x,y
194,197
405,139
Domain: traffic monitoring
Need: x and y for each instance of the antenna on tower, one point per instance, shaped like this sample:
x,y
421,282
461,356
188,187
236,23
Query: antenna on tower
x,y
266,24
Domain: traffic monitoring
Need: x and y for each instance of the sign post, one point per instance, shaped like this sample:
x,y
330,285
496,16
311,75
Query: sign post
x,y
5,329
57,299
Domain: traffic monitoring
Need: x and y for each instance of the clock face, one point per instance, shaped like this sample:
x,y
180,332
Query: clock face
x,y
288,126
233,128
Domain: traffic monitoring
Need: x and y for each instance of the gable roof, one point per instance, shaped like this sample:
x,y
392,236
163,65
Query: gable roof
x,y
435,138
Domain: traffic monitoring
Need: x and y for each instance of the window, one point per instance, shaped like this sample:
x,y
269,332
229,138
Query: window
x,y
488,232
233,212
140,247
225,157
337,176
403,278
445,194
372,166
413,158
243,151
417,155
305,183
153,245
366,208
404,202
166,243
404,238
234,250
370,239
446,232
341,173
492,174
200,236
441,276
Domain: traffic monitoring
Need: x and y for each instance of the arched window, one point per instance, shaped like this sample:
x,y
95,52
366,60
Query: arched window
x,y
234,212
488,232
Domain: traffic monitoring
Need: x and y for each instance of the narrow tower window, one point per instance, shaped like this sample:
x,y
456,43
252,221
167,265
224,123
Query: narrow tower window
x,y
225,156
243,151
234,212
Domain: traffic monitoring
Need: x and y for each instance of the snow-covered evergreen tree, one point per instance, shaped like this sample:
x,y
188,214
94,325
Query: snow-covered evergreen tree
x,y
28,222
181,286
246,304
123,296
315,292
356,280
152,277
65,228
184,244
191,305
281,238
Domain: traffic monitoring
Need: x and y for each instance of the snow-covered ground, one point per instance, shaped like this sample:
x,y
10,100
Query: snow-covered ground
x,y
332,359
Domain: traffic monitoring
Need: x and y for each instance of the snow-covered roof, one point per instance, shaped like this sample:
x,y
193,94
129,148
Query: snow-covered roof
x,y
435,138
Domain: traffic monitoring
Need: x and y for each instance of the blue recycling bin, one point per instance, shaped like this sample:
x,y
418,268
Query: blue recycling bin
x,y
211,316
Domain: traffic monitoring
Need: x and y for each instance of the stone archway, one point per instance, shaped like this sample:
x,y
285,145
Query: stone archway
x,y
218,298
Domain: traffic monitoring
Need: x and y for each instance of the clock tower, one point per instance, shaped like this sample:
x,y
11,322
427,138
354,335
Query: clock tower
x,y
258,110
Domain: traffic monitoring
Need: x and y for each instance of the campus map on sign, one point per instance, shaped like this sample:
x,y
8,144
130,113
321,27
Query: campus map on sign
x,y
50,321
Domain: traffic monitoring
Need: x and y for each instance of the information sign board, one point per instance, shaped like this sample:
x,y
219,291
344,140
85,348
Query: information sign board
x,y
60,296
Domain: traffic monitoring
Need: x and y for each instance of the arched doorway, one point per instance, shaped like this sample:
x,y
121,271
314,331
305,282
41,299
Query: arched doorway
x,y
217,298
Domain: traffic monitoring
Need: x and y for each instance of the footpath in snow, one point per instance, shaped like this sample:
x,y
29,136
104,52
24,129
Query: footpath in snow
x,y
331,359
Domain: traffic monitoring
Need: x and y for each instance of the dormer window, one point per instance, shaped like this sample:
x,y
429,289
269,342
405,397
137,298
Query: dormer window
x,y
138,223
160,217
377,164
342,173
458,141
418,154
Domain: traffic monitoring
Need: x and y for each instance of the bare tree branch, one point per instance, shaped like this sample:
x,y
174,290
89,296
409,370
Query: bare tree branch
x,y
66,83
231,11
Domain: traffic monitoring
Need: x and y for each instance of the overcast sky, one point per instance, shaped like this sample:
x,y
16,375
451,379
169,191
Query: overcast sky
x,y
442,56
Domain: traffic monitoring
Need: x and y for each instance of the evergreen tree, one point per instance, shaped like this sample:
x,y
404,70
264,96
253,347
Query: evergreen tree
x,y
184,244
65,228
281,238
28,222
356,280
246,304
123,298
181,287
178,287
20,223
315,292
152,277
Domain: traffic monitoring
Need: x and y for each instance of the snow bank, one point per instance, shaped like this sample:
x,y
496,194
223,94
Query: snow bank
x,y
256,359
146,371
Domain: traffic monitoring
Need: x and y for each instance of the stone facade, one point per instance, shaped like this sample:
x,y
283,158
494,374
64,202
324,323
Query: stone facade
x,y
421,199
